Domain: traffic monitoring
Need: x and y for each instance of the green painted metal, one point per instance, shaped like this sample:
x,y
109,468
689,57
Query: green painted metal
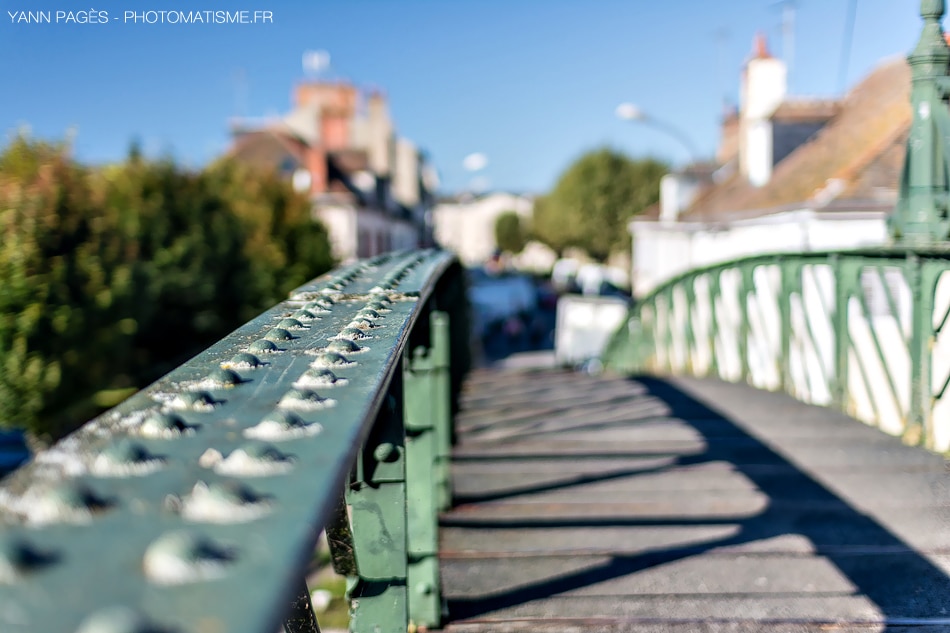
x,y
921,215
442,406
378,516
912,392
425,400
195,505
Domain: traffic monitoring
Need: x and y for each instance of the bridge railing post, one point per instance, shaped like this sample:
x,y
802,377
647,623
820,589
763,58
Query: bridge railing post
x,y
427,414
377,500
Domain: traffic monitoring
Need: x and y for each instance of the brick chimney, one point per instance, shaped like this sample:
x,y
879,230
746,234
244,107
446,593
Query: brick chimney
x,y
334,104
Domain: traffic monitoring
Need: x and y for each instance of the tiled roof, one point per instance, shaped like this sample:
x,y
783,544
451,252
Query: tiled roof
x,y
806,110
266,147
858,154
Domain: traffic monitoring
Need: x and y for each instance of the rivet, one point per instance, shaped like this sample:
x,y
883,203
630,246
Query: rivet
x,y
119,619
368,313
379,306
424,588
18,558
254,460
67,503
322,377
291,324
353,334
223,502
278,334
362,324
319,306
164,426
343,346
304,315
263,346
221,377
243,360
330,359
194,400
124,459
185,556
282,425
304,400
385,452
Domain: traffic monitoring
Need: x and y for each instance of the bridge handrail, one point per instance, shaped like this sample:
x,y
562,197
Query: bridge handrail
x,y
196,504
861,330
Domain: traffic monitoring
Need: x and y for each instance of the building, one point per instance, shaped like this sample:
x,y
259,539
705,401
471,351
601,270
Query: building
x,y
466,225
791,175
371,188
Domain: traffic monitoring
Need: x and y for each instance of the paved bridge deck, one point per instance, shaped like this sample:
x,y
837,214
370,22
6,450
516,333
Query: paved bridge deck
x,y
604,504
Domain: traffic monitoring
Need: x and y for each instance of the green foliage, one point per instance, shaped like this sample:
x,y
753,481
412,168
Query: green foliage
x,y
110,277
509,234
593,201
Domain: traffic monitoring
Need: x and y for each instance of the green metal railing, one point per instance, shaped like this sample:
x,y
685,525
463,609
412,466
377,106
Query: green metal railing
x,y
863,331
196,505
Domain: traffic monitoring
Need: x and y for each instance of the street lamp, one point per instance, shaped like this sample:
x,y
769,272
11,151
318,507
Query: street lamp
x,y
630,112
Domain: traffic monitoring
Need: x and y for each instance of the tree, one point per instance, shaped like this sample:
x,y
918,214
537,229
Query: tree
x,y
111,276
593,201
509,234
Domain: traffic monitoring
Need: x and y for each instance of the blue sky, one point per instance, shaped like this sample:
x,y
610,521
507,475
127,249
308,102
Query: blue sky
x,y
530,83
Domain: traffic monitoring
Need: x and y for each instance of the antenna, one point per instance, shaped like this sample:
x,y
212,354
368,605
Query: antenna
x,y
240,92
789,8
846,46
722,40
315,62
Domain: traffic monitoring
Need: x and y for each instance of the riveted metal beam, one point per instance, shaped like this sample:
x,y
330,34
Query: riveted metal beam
x,y
195,505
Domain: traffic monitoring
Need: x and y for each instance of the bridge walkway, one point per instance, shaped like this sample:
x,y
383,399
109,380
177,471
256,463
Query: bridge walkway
x,y
606,504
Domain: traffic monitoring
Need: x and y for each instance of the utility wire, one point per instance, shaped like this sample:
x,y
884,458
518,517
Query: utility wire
x,y
846,46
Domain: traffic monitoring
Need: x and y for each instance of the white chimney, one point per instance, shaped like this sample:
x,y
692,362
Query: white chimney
x,y
764,86
677,192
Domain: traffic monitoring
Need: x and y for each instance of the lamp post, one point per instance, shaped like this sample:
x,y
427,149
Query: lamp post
x,y
630,112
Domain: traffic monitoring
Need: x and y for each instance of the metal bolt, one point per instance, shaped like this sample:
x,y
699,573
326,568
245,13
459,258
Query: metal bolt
x,y
124,459
221,377
165,426
119,620
353,334
223,502
304,400
319,305
291,324
344,345
263,346
425,588
386,452
378,305
362,324
278,334
194,400
304,315
184,556
254,460
368,313
322,377
18,557
330,359
243,360
66,503
282,425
